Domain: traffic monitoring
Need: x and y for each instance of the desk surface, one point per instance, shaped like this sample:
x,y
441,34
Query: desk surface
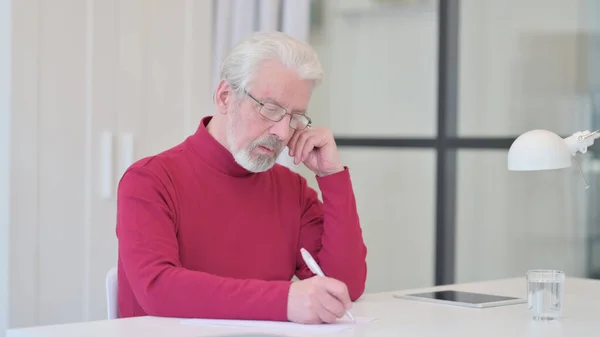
x,y
395,317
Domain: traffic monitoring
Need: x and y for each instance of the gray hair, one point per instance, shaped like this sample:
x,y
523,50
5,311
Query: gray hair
x,y
239,67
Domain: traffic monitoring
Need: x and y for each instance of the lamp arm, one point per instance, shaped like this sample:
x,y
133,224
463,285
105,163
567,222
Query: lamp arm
x,y
580,141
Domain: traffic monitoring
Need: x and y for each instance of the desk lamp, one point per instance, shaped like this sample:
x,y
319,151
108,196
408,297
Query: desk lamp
x,y
544,150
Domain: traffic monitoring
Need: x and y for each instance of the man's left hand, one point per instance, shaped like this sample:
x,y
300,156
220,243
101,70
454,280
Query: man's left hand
x,y
316,148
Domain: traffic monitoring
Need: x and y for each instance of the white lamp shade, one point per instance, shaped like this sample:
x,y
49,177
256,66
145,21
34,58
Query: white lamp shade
x,y
538,150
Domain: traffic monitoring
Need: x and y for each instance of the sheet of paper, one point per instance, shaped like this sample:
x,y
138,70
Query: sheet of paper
x,y
281,326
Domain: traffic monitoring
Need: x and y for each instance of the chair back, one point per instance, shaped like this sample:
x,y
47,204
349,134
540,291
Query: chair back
x,y
111,294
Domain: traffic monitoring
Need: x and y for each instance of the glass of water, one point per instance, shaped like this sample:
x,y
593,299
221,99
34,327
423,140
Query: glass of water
x,y
545,292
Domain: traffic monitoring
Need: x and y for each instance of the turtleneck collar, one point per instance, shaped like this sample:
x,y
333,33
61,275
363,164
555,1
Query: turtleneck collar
x,y
213,153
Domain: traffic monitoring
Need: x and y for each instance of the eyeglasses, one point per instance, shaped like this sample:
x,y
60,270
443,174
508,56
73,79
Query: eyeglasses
x,y
275,113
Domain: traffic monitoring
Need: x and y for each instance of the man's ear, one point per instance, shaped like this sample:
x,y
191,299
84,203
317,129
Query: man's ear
x,y
223,97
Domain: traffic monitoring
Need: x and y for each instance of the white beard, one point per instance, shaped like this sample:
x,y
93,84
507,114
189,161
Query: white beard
x,y
259,163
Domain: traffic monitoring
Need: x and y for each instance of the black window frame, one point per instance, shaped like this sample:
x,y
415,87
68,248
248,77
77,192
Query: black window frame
x,y
447,143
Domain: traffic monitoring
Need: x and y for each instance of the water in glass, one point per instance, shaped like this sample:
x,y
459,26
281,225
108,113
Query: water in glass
x,y
545,290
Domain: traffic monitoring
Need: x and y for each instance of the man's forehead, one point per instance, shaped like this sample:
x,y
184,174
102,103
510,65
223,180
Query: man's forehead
x,y
282,103
281,96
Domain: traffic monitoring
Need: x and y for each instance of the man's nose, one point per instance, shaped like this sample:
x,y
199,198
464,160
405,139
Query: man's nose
x,y
281,129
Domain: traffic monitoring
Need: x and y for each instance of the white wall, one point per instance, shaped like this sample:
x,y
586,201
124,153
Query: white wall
x,y
380,68
509,222
593,20
83,69
523,66
5,152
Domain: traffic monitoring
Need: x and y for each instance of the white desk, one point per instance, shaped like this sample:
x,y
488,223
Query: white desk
x,y
395,318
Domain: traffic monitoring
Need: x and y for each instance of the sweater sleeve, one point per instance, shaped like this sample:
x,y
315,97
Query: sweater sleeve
x,y
331,232
149,253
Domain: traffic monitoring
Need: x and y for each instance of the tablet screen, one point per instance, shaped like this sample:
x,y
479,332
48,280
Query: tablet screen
x,y
461,296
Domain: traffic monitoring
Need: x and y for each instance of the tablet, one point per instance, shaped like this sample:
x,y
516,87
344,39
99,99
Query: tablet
x,y
462,298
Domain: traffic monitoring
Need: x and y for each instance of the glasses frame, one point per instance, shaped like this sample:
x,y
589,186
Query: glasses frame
x,y
309,121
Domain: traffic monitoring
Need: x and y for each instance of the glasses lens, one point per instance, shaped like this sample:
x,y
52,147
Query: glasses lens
x,y
272,112
298,122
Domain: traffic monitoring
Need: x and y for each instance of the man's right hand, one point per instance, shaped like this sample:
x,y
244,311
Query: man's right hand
x,y
317,300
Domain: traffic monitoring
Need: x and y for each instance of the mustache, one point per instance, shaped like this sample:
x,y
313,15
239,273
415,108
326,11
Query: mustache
x,y
271,142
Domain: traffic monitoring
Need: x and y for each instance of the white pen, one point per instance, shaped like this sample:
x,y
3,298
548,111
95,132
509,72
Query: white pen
x,y
314,267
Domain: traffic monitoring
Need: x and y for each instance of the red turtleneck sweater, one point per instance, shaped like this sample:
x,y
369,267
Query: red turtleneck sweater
x,y
201,237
